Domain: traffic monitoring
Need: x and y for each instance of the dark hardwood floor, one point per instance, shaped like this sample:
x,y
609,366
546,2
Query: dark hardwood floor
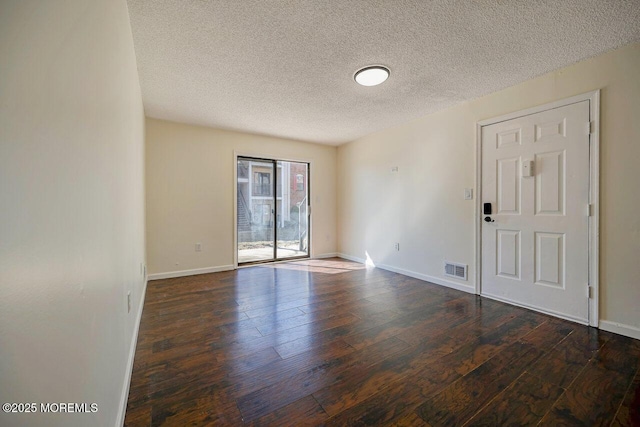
x,y
328,342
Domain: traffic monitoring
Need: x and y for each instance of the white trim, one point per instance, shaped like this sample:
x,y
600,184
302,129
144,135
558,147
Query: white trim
x,y
620,328
594,191
588,96
268,156
327,255
437,280
310,207
124,397
235,207
478,214
196,271
351,258
415,275
594,199
538,309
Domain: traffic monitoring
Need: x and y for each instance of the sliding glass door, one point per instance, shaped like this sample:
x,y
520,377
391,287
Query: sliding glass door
x,y
272,210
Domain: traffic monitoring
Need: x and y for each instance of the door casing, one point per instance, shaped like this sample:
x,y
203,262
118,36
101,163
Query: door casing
x,y
594,190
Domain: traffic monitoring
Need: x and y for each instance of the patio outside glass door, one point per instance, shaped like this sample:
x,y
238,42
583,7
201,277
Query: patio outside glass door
x,y
272,210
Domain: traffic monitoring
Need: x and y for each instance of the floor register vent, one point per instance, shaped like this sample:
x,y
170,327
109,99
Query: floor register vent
x,y
458,271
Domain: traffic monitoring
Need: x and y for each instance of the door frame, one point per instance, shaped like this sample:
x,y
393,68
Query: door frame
x,y
267,156
594,192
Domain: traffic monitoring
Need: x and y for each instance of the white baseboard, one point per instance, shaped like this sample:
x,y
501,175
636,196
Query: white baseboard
x,y
327,255
132,355
183,273
620,328
351,258
437,280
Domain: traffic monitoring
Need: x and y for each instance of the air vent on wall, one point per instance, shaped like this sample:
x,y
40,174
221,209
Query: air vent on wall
x,y
458,271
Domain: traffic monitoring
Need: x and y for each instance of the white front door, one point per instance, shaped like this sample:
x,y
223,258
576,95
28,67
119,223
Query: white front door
x,y
535,175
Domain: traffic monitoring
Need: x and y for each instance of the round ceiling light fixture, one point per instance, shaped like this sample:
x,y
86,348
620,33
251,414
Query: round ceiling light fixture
x,y
371,75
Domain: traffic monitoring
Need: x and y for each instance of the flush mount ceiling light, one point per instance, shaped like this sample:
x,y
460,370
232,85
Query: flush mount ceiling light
x,y
371,75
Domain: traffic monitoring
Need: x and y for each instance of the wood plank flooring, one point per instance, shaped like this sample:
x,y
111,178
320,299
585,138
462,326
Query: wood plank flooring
x,y
329,342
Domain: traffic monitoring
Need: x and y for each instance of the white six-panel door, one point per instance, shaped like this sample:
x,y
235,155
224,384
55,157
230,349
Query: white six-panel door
x,y
535,253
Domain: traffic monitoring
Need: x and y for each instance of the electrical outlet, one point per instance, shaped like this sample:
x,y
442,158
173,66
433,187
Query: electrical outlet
x,y
129,302
397,246
198,247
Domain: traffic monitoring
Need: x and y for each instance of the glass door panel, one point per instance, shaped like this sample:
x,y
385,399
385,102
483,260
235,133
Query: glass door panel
x,y
256,210
292,218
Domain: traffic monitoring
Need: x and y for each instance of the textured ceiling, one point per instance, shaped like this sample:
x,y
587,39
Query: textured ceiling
x,y
285,67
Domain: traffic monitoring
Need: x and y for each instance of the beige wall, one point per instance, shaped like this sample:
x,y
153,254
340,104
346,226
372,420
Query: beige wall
x,y
72,206
422,207
190,189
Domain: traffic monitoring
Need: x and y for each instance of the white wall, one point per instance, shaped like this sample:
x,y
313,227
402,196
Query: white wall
x,y
72,206
190,193
422,205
